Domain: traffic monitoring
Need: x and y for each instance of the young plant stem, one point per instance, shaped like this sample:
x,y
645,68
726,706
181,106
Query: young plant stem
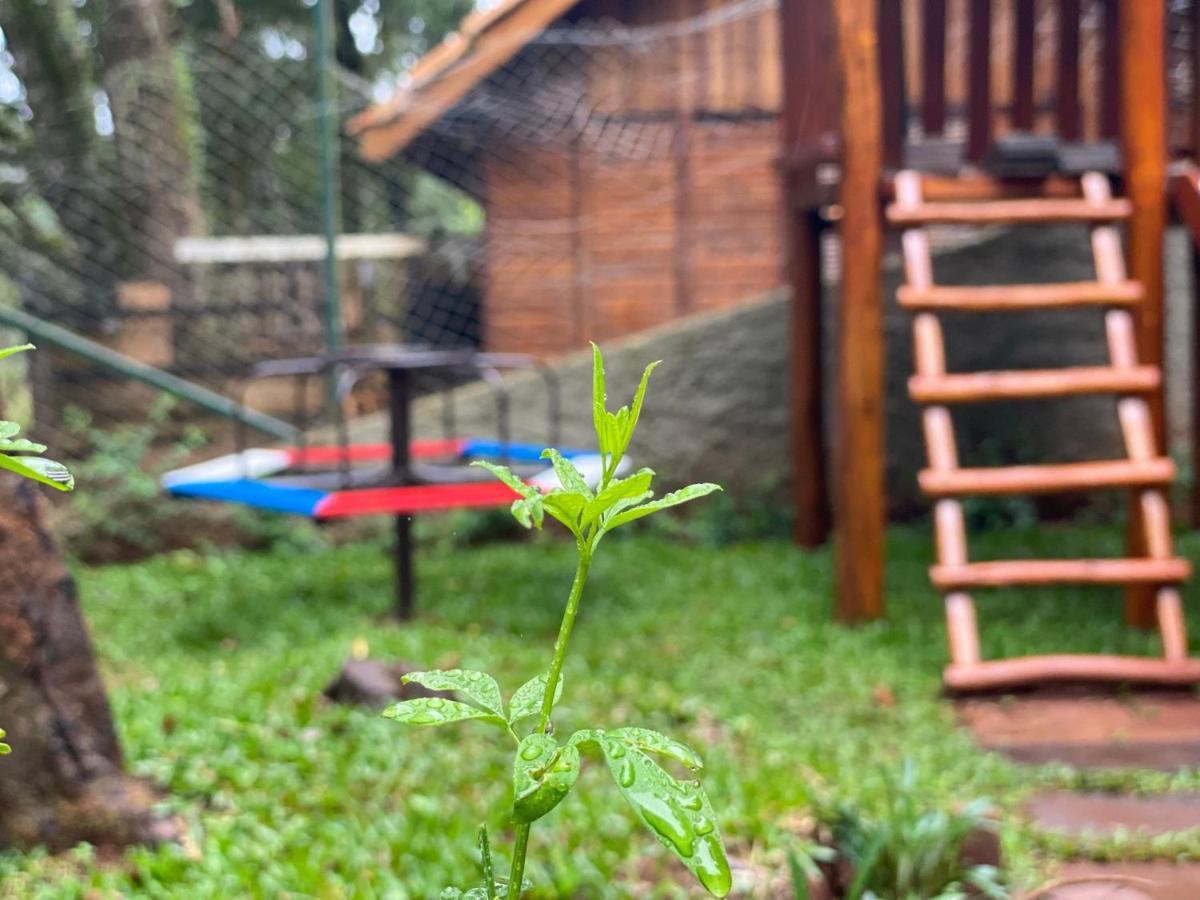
x,y
521,845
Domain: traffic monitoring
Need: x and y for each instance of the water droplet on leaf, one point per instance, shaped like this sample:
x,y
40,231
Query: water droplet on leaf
x,y
627,775
531,752
711,866
669,822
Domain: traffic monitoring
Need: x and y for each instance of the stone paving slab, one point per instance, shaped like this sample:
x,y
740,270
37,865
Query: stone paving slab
x,y
1150,730
1105,814
1126,881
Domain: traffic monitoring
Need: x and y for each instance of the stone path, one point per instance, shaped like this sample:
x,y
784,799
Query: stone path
x,y
1159,730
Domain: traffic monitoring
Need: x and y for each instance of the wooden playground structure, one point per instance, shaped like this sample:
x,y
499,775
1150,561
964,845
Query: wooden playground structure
x,y
917,144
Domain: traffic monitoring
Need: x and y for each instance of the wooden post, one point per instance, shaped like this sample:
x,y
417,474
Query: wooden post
x,y
809,487
859,467
1144,144
808,140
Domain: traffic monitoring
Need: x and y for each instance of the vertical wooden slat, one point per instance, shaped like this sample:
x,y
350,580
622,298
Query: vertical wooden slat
x,y
1144,142
891,76
1067,83
683,213
859,487
1110,71
808,133
933,69
1144,145
1023,57
979,80
810,492
580,281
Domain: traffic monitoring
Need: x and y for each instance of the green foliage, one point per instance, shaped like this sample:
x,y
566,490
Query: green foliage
x,y
125,514
912,852
678,813
4,748
27,463
216,662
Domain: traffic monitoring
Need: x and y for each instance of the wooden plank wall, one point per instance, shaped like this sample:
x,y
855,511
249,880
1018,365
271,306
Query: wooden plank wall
x,y
587,245
731,66
673,208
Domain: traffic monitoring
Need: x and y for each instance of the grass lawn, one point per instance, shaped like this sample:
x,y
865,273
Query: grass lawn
x,y
216,664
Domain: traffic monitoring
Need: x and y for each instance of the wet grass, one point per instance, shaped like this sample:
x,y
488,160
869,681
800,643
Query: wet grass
x,y
216,665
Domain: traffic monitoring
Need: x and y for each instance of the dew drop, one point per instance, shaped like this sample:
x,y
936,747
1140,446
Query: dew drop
x,y
615,750
627,775
435,703
702,825
424,717
670,823
691,801
711,867
531,752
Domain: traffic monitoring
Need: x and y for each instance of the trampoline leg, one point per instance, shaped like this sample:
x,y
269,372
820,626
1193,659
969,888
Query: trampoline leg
x,y
404,568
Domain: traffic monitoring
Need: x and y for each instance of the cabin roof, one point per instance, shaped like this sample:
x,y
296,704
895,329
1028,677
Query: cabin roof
x,y
484,41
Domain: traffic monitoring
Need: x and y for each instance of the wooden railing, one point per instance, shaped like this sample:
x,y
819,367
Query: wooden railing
x,y
964,73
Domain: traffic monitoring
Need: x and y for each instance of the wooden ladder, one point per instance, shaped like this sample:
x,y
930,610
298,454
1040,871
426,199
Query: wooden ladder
x,y
1144,469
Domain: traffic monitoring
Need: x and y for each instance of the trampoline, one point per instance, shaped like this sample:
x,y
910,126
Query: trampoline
x,y
403,477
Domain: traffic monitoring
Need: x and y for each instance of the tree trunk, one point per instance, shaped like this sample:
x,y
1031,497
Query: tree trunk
x,y
64,782
151,98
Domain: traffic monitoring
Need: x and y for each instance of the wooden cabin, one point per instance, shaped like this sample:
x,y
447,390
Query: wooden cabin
x,y
624,154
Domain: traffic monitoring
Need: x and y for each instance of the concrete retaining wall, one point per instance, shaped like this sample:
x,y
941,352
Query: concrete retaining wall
x,y
717,407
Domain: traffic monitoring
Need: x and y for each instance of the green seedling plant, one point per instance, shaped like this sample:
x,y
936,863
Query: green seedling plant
x,y
545,769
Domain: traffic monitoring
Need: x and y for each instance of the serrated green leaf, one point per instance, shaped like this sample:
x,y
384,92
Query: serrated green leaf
x,y
677,812
675,498
566,507
652,742
20,445
599,397
478,687
527,701
568,476
509,477
45,471
529,511
588,739
639,396
543,775
9,429
9,351
636,485
438,711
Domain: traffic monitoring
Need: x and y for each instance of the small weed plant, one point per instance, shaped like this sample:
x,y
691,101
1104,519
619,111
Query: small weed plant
x,y
545,769
913,852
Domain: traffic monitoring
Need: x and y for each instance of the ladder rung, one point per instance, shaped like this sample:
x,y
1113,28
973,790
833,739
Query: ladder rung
x,y
1048,478
1026,670
999,298
1009,212
1059,571
977,386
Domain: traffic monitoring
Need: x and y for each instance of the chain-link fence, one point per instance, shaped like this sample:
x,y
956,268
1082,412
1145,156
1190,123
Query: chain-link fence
x,y
533,185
